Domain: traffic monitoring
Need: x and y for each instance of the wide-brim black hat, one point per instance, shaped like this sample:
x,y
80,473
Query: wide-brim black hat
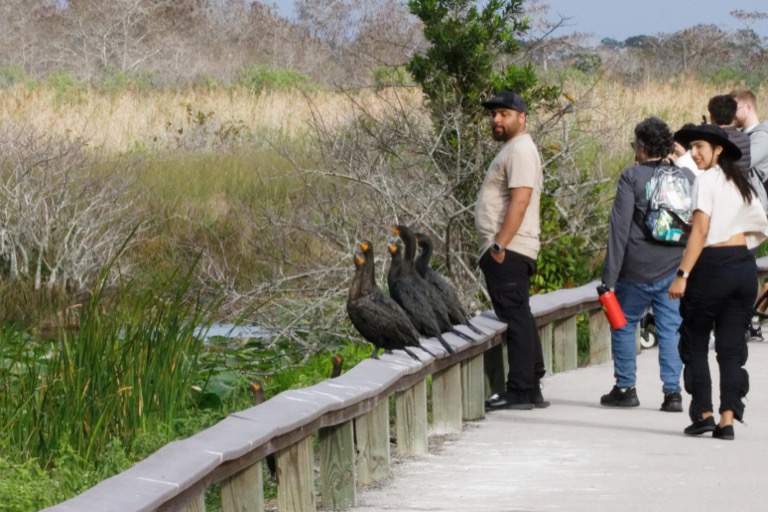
x,y
710,133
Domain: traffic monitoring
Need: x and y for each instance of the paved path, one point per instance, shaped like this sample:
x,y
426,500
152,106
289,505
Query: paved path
x,y
578,456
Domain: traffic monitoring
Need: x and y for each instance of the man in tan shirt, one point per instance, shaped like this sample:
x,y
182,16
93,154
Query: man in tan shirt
x,y
507,221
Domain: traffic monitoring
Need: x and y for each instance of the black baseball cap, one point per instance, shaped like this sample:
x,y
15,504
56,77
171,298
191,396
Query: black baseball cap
x,y
507,99
710,133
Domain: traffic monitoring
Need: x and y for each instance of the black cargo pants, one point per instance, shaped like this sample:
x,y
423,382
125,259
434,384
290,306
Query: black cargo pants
x,y
508,284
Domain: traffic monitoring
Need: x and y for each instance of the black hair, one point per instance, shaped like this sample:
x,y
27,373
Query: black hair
x,y
736,175
654,136
722,109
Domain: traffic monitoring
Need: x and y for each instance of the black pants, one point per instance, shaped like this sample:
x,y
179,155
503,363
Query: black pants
x,y
720,293
508,285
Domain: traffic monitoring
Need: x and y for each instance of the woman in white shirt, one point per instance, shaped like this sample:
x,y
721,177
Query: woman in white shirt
x,y
717,279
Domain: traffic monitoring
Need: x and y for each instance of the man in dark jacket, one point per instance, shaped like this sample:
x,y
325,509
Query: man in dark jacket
x,y
641,270
722,110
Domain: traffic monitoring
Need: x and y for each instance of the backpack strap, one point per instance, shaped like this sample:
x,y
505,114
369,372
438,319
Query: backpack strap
x,y
638,215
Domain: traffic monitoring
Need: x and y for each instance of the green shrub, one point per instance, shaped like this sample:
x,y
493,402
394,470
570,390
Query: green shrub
x,y
11,76
389,76
587,63
66,88
113,81
259,78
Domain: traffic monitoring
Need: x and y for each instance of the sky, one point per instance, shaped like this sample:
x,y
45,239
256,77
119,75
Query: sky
x,y
620,19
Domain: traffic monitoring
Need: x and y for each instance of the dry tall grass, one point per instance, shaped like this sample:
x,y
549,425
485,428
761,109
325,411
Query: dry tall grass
x,y
128,119
618,108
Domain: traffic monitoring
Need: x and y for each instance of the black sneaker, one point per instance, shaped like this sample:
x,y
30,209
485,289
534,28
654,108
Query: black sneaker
x,y
519,401
620,397
537,399
755,332
673,402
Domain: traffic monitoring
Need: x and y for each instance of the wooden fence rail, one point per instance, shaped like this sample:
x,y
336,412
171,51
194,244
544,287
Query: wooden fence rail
x,y
349,416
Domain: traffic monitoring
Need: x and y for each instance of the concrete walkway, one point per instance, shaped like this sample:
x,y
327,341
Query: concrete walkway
x,y
578,456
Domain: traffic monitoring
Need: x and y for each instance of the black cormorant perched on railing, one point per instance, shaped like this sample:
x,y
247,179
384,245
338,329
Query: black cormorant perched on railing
x,y
456,310
377,317
410,291
414,280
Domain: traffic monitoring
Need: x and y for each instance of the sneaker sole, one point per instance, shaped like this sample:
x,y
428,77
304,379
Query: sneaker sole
x,y
699,431
678,408
619,405
519,407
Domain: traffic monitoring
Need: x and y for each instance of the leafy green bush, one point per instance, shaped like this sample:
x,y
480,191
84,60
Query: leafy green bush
x,y
587,63
67,89
113,81
24,486
259,78
389,76
12,75
728,75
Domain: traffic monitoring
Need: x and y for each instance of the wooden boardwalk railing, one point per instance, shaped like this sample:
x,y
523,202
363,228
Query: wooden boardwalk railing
x,y
349,416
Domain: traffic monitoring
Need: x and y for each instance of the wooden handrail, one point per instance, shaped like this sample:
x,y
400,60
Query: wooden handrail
x,y
175,477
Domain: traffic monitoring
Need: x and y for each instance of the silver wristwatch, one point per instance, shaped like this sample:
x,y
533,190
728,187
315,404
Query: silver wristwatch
x,y
496,248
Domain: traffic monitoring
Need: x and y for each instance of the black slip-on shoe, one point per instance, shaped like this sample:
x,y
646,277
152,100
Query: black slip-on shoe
x,y
725,433
700,427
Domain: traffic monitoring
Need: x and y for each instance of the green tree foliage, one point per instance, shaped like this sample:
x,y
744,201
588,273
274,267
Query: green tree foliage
x,y
473,47
458,69
462,67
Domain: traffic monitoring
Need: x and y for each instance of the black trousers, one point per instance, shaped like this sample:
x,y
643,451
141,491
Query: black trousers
x,y
720,294
508,285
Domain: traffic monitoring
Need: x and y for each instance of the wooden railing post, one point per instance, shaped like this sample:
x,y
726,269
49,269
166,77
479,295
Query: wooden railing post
x,y
244,492
411,420
599,338
446,406
545,336
295,477
337,466
496,367
198,505
372,434
566,350
473,388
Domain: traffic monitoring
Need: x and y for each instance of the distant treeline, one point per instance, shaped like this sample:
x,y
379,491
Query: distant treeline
x,y
350,43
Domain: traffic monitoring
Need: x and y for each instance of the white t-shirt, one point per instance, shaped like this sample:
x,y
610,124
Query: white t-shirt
x,y
516,165
729,215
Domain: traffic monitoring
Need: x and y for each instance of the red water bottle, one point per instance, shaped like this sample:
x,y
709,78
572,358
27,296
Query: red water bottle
x,y
611,307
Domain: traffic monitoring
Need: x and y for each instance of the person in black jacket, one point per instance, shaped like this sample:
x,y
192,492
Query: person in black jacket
x,y
641,270
722,110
